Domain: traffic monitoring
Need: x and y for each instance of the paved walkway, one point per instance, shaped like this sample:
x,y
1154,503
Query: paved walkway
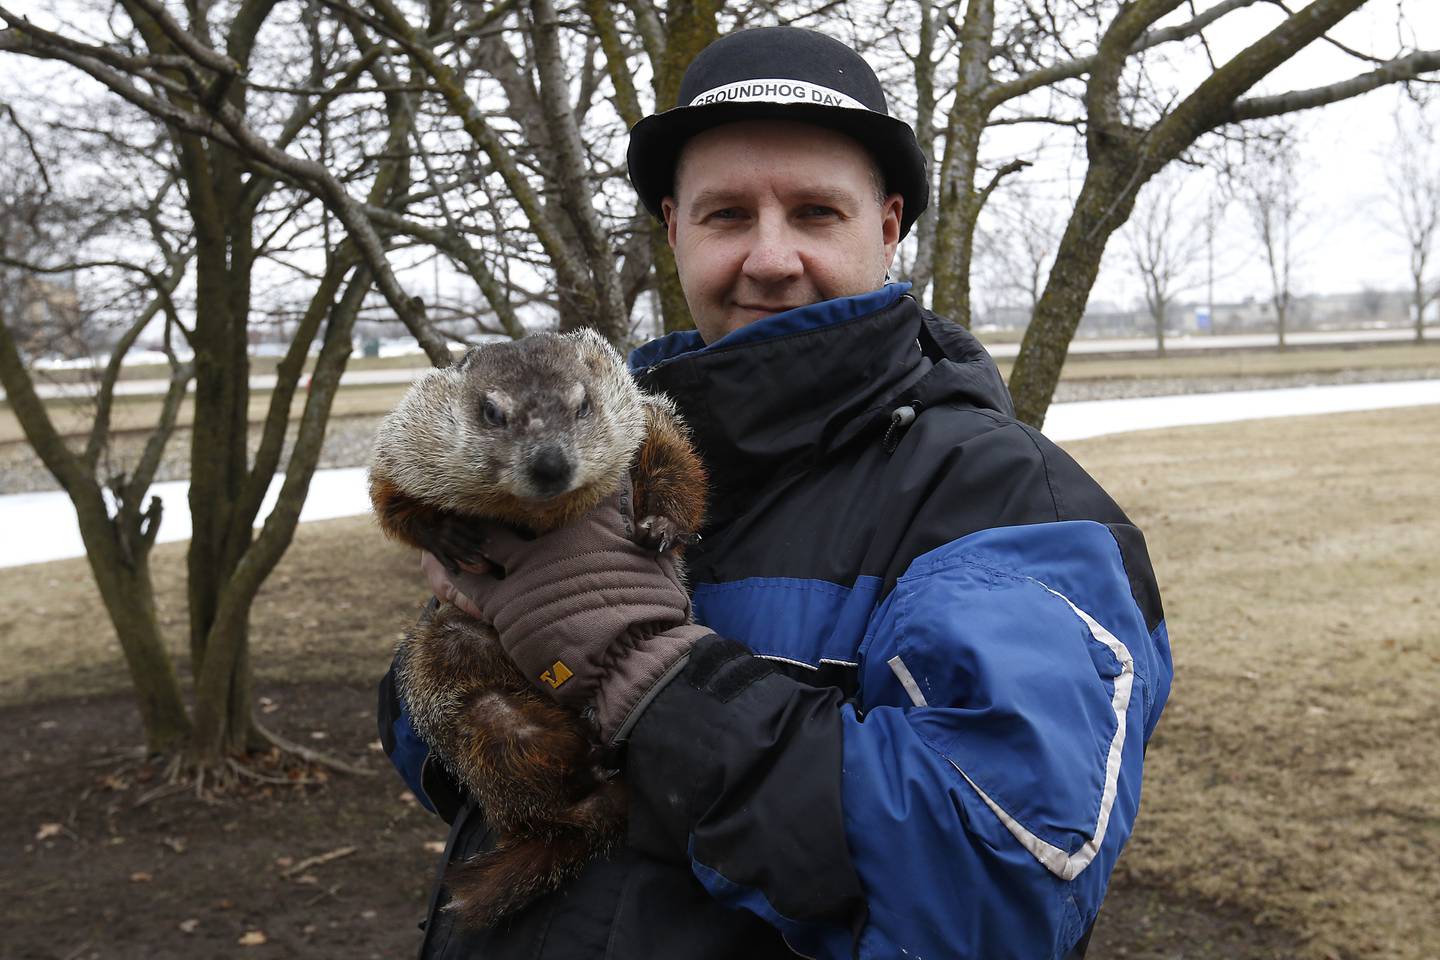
x,y
41,526
1238,341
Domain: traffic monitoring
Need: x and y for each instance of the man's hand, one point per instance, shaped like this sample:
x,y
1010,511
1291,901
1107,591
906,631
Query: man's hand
x,y
584,612
456,588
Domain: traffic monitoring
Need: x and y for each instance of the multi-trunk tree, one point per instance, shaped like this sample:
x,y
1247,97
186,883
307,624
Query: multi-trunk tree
x,y
231,216
491,134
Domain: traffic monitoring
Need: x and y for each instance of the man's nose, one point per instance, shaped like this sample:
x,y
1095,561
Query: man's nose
x,y
774,253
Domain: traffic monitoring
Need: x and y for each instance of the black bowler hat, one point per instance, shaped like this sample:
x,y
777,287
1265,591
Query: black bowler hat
x,y
780,73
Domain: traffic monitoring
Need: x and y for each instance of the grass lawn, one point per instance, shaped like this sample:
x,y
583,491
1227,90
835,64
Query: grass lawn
x,y
1291,807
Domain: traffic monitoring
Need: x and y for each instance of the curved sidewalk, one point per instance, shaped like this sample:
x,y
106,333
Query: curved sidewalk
x,y
38,527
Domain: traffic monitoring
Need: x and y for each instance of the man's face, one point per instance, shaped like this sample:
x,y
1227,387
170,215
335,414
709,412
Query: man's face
x,y
774,214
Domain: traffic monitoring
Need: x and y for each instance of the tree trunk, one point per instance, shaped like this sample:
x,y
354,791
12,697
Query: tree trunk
x,y
690,26
958,205
218,453
222,690
1104,204
1420,305
955,217
122,575
674,311
129,598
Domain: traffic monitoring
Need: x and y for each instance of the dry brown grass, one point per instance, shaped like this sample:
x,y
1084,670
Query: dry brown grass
x,y
1248,363
331,611
1294,772
1293,775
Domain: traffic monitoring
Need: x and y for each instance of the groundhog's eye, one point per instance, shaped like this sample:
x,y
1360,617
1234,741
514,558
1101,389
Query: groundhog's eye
x,y
492,413
584,409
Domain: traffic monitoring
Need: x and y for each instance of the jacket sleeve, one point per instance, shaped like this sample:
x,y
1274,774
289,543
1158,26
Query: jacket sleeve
x,y
970,803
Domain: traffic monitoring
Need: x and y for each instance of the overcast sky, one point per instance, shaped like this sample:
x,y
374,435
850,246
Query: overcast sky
x,y
1346,243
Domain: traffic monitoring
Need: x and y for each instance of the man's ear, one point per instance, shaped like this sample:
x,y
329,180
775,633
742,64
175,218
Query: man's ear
x,y
890,213
670,210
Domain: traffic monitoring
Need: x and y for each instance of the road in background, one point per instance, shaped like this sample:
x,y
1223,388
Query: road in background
x,y
1238,341
42,526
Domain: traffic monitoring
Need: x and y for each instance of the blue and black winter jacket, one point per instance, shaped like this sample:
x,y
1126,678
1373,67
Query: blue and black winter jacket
x,y
939,651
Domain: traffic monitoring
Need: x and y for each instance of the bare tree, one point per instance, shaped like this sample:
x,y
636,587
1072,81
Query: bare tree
x,y
1016,246
40,230
223,124
1132,127
1271,197
1164,245
1413,175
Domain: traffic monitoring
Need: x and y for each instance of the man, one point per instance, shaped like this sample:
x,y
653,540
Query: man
x,y
913,721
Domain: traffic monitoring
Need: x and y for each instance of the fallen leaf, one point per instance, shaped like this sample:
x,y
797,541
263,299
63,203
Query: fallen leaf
x,y
175,843
115,782
253,938
51,724
140,876
48,830
435,846
376,746
307,878
367,914
189,926
406,797
224,904
283,862
318,735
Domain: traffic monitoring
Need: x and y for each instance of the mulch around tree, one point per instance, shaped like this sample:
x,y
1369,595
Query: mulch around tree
x,y
93,876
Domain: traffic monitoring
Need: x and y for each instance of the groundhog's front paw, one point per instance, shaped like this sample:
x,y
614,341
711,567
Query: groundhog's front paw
x,y
454,542
661,534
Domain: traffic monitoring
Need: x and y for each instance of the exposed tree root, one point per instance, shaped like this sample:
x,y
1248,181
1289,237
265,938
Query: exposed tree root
x,y
308,754
283,763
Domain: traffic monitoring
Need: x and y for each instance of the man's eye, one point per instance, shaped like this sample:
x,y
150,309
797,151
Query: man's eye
x,y
817,210
727,213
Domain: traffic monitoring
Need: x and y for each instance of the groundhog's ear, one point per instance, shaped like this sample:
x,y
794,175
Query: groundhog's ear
x,y
597,353
469,360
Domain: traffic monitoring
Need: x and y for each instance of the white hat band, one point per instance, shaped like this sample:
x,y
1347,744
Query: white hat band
x,y
776,90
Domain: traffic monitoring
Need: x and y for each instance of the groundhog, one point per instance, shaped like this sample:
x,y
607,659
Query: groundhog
x,y
531,433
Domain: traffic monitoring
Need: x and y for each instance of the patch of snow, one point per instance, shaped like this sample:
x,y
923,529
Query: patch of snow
x,y
38,527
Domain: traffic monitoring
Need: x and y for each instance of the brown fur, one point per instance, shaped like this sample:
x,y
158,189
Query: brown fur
x,y
531,764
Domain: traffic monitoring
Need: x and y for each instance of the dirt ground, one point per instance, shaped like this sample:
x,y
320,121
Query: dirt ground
x,y
1291,810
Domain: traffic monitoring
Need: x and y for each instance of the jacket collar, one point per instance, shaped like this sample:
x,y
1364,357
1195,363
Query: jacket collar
x,y
785,390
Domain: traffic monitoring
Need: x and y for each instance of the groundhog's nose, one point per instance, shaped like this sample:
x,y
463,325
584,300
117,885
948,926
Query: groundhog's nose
x,y
551,470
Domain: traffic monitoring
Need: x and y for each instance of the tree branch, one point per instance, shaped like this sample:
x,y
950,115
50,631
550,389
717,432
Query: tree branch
x,y
1078,67
1394,71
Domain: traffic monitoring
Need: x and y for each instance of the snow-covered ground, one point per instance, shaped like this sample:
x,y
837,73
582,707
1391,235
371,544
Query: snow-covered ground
x,y
35,527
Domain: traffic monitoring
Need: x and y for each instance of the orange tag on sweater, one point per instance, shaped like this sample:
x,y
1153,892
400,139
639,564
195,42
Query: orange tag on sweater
x,y
557,674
